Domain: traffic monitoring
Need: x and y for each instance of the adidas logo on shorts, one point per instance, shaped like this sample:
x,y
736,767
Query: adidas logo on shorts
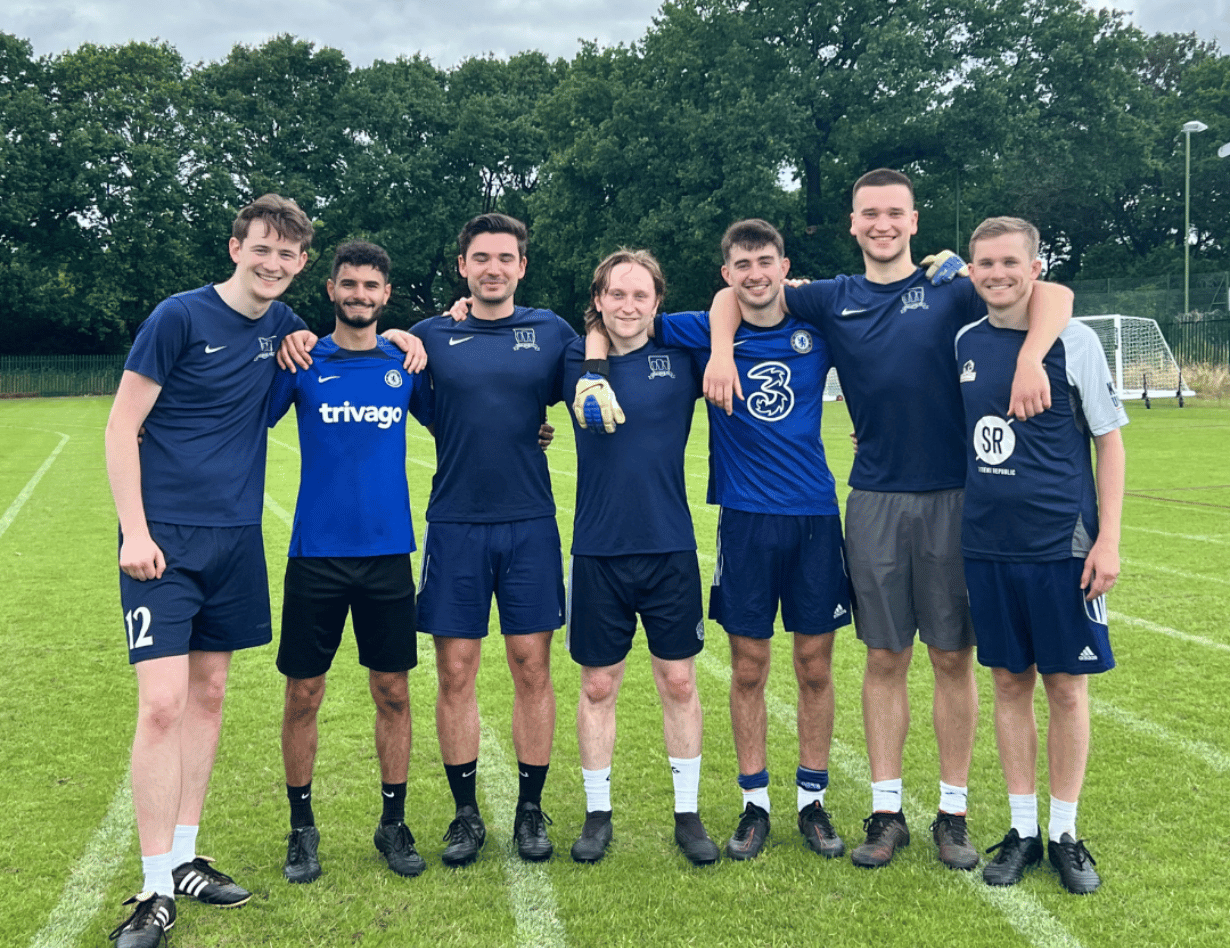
x,y
1086,655
839,611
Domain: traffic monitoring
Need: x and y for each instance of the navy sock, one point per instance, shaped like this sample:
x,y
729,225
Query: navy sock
x,y
300,805
394,797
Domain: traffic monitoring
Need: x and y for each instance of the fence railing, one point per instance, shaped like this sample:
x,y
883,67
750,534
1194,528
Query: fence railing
x,y
52,375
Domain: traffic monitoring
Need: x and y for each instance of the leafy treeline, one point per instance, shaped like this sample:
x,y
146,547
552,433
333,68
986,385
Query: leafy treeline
x,y
121,167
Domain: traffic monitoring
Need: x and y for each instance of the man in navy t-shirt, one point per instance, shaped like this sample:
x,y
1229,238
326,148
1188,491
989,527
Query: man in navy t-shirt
x,y
634,550
193,585
491,524
890,332
1041,545
350,547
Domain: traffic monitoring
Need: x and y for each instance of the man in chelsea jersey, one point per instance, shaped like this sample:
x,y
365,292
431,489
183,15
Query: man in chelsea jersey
x,y
193,585
491,524
890,333
1041,545
350,547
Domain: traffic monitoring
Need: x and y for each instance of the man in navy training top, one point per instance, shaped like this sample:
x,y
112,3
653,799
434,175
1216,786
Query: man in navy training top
x,y
193,586
491,524
1041,545
350,548
634,551
890,334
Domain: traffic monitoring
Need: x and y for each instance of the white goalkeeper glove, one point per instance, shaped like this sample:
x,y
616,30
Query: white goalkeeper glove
x,y
595,405
944,266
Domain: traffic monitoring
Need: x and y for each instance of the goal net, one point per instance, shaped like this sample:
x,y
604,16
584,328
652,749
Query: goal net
x,y
1140,360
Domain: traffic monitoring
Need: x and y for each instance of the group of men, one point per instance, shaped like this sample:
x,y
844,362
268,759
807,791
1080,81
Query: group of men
x,y
203,383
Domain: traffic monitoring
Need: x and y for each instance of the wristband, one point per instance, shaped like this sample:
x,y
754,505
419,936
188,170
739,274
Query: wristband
x,y
597,367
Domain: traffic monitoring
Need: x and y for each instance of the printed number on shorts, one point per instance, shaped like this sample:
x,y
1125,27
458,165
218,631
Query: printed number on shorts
x,y
138,621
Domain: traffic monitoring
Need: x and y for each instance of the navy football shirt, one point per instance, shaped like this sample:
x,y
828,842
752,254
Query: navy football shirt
x,y
631,494
767,457
892,345
352,409
203,453
491,383
1030,492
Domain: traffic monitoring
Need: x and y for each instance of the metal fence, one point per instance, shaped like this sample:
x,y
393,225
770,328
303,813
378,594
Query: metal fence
x,y
51,375
1159,297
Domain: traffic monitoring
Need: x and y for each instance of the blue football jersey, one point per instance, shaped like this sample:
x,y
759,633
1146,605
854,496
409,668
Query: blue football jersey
x,y
631,494
492,381
1030,492
352,409
768,456
203,453
892,345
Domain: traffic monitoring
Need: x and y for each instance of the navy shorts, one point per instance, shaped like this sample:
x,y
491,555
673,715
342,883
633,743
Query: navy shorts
x,y
213,595
605,594
904,553
764,559
377,591
465,563
1036,614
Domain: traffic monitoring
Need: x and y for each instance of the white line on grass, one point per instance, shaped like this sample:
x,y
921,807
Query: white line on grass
x,y
1214,757
92,875
1204,508
1196,538
1166,630
15,507
1183,574
279,511
530,892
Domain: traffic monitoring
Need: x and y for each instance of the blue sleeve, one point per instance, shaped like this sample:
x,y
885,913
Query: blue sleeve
x,y
813,302
422,403
281,395
684,331
160,341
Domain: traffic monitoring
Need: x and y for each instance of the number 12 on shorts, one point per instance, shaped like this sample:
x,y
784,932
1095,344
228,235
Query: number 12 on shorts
x,y
138,621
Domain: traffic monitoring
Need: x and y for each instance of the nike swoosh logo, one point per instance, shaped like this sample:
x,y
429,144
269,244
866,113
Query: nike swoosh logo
x,y
327,378
739,343
851,312
305,796
453,342
524,774
390,795
470,774
210,349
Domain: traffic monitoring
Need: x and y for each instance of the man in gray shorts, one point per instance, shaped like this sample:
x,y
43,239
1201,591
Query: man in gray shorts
x,y
891,334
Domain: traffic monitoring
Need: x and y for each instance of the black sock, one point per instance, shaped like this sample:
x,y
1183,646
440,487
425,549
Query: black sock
x,y
300,805
462,782
533,776
394,797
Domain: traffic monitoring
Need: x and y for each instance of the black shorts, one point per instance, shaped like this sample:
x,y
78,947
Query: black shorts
x,y
605,593
378,591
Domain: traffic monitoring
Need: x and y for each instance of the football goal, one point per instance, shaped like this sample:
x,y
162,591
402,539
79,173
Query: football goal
x,y
1140,360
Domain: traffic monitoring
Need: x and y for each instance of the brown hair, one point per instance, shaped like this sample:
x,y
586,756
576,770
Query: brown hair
x,y
281,215
602,278
881,177
493,224
999,226
751,234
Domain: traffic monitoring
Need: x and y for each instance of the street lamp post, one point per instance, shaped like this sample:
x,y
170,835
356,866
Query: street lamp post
x,y
1188,128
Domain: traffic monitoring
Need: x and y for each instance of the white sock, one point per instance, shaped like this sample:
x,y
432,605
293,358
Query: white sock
x,y
183,849
806,798
1024,807
886,796
597,789
158,874
1063,818
953,799
686,776
759,796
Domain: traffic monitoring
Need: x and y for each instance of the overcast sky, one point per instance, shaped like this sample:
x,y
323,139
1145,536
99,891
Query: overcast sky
x,y
443,30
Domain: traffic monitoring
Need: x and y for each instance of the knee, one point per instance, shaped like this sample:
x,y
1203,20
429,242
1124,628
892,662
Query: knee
x,y
953,666
456,677
161,711
678,686
391,694
1065,695
748,675
598,688
887,667
814,676
531,671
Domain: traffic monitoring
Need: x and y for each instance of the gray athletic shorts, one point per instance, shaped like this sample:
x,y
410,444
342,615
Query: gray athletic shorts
x,y
906,569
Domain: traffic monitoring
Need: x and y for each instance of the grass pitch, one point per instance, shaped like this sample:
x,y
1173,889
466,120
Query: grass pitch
x,y
1154,808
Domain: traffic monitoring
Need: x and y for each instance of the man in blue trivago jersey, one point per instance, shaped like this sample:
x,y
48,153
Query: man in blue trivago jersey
x,y
193,586
350,548
491,525
890,333
634,551
1041,545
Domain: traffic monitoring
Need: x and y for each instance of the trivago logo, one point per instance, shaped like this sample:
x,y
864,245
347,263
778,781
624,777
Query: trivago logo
x,y
384,416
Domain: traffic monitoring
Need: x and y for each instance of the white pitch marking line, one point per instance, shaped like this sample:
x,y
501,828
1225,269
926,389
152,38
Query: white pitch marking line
x,y
1023,911
1166,630
279,511
15,507
1215,758
1195,538
1198,577
92,875
1197,508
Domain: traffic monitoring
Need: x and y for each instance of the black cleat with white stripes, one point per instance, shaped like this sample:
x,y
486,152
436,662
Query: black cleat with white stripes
x,y
149,923
206,884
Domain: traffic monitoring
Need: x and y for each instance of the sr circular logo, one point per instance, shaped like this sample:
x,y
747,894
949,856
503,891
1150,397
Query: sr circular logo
x,y
994,440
